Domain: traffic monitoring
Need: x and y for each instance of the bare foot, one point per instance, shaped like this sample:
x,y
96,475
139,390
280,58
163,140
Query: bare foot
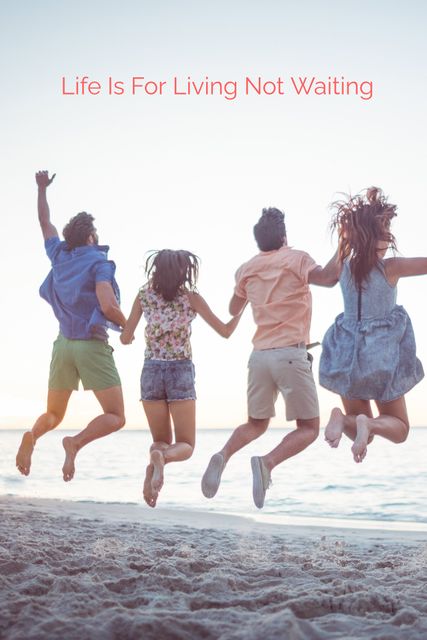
x,y
23,457
149,496
335,427
158,462
363,437
70,455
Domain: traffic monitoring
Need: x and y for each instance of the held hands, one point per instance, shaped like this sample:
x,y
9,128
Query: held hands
x,y
125,338
43,180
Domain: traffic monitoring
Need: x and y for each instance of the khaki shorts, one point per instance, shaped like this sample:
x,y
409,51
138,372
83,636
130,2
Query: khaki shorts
x,y
287,370
90,361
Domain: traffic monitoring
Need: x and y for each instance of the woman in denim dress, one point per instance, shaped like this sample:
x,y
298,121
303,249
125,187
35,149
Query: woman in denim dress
x,y
369,352
169,303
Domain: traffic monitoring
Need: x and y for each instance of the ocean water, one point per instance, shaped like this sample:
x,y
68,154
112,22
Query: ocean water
x,y
320,485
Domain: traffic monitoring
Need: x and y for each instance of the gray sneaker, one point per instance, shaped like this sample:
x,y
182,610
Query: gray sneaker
x,y
212,476
261,480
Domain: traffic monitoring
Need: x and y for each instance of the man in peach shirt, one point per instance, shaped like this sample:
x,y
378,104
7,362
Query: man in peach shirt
x,y
276,283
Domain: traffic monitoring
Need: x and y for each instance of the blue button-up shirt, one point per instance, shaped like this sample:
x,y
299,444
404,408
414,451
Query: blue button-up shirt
x,y
70,288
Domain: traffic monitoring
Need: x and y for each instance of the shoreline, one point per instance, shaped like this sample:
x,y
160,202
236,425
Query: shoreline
x,y
204,518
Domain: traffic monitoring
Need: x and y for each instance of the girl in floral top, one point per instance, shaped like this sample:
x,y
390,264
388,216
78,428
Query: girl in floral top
x,y
169,303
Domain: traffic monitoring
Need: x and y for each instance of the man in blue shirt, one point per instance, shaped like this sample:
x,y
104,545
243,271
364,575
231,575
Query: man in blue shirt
x,y
85,299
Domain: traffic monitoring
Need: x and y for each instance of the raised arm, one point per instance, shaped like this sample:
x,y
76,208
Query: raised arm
x,y
328,275
126,336
396,268
225,329
43,181
108,303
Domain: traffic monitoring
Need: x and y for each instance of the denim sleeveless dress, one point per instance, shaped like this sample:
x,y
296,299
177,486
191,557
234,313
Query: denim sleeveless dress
x,y
369,352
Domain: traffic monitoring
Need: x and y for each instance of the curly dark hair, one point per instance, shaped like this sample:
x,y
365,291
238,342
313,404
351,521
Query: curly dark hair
x,y
170,271
362,222
270,230
78,230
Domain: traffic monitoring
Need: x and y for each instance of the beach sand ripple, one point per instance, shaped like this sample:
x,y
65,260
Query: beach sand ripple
x,y
123,576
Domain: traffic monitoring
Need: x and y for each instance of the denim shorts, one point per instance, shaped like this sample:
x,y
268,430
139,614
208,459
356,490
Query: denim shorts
x,y
168,380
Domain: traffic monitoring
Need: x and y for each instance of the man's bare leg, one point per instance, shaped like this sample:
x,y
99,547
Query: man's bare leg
x,y
113,419
293,443
243,435
56,406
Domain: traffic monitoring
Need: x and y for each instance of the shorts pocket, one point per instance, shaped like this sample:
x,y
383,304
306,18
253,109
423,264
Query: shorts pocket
x,y
180,381
108,348
152,387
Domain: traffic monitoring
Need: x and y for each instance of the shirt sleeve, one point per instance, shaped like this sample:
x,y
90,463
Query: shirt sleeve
x,y
104,271
239,289
307,265
52,246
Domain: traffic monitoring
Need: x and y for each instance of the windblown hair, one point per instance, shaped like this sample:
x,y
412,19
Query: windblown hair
x,y
361,222
270,229
78,230
169,271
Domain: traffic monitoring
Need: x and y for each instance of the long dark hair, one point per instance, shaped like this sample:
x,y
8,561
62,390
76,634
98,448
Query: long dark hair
x,y
361,222
169,271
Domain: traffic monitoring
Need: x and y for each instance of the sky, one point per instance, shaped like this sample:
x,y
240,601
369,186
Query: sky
x,y
194,171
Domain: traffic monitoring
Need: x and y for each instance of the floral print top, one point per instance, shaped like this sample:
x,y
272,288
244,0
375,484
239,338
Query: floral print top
x,y
168,330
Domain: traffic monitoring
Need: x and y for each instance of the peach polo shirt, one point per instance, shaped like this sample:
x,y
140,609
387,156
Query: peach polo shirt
x,y
276,285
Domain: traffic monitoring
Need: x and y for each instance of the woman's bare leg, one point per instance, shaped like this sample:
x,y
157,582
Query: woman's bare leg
x,y
392,424
184,422
340,422
162,451
159,421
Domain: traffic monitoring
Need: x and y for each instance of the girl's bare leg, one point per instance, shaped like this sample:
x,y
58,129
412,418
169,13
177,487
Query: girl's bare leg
x,y
147,490
159,421
340,422
184,421
162,451
392,424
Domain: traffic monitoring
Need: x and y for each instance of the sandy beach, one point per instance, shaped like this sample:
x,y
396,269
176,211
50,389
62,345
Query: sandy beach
x,y
90,570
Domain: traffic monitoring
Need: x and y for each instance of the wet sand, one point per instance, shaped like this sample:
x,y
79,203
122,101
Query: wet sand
x,y
94,571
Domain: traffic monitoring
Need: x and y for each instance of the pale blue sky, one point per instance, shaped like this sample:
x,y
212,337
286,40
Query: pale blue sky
x,y
194,172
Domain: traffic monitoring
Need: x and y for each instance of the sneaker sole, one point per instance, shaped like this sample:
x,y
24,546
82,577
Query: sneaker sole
x,y
212,476
258,492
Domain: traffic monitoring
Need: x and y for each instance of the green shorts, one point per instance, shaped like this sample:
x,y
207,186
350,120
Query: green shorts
x,y
90,361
